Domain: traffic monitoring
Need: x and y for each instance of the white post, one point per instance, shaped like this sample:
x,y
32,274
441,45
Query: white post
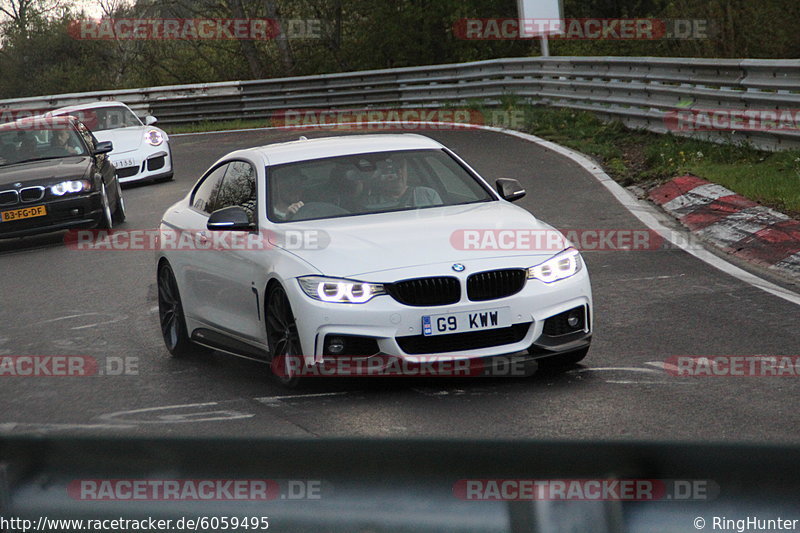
x,y
545,46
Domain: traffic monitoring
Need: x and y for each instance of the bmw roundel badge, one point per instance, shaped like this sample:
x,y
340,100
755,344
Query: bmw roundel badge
x,y
458,267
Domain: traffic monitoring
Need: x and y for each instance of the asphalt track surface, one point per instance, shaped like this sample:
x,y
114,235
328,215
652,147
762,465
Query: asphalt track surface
x,y
649,306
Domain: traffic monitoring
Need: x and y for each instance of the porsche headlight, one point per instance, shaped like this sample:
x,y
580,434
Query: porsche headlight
x,y
153,137
561,266
65,187
337,290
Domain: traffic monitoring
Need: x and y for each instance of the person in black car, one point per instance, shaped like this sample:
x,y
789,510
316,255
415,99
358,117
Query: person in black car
x,y
63,143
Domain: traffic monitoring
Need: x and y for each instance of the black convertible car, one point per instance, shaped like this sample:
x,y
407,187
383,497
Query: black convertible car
x,y
54,175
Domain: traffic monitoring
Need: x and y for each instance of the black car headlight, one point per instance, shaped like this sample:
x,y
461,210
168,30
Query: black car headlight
x,y
71,187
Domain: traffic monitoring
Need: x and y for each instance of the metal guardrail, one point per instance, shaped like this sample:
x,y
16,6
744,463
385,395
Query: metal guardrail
x,y
642,92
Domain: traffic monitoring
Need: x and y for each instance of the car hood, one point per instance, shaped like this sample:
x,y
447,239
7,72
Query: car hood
x,y
371,244
63,168
124,139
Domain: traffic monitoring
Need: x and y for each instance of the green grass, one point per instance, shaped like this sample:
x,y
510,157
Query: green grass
x,y
641,157
199,127
637,156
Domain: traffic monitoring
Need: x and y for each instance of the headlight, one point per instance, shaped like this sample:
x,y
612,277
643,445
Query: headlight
x,y
153,137
339,290
563,265
60,189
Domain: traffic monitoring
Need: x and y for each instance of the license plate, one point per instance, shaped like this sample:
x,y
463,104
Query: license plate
x,y
466,321
27,212
122,163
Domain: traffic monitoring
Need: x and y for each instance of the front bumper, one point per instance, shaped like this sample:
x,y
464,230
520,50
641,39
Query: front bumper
x,y
81,211
397,328
151,163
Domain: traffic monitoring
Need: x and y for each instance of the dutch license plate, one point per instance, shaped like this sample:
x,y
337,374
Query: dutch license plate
x,y
25,212
466,321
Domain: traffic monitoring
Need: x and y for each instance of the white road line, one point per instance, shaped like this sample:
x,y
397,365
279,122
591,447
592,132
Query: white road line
x,y
665,366
179,418
638,209
116,318
276,399
105,322
613,368
431,392
8,427
649,278
65,318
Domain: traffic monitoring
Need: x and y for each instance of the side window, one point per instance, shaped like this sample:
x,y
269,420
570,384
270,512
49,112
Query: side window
x,y
239,188
205,195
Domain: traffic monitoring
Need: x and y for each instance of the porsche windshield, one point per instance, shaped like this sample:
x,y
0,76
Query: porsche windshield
x,y
107,118
369,183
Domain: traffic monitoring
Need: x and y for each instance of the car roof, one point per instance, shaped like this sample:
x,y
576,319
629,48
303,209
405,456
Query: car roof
x,y
307,149
90,105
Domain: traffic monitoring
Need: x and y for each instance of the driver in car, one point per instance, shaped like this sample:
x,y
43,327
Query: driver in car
x,y
287,200
394,189
61,143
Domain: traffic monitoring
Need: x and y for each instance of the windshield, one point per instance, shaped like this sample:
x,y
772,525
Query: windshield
x,y
32,144
369,183
107,118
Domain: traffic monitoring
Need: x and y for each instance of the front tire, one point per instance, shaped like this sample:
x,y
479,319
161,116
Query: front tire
x,y
119,206
106,218
286,355
171,317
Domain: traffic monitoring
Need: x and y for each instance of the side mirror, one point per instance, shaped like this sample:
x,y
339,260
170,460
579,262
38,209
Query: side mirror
x,y
103,147
149,120
232,218
509,189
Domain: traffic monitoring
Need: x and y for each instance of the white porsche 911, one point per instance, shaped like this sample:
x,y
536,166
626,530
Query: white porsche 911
x,y
141,150
351,246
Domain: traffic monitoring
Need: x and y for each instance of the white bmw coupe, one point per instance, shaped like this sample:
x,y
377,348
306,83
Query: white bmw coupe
x,y
365,246
141,150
